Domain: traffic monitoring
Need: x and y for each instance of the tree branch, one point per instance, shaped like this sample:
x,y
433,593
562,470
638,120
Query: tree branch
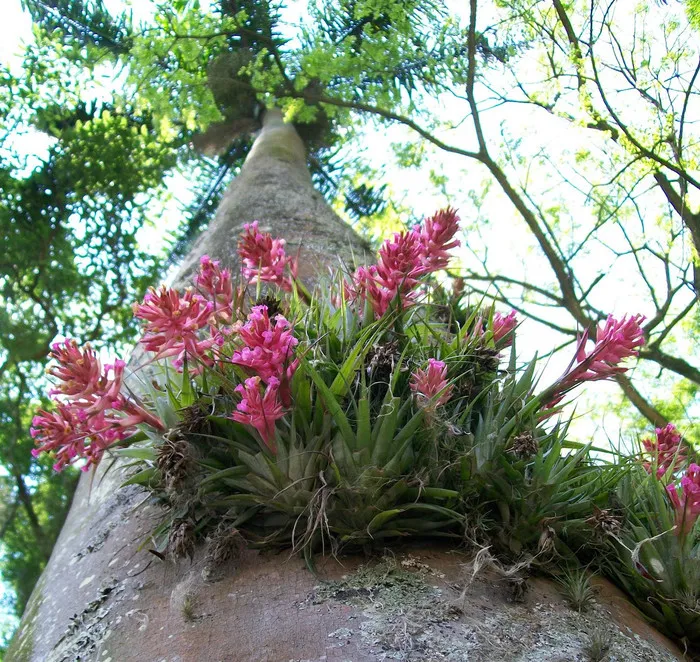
x,y
314,97
9,518
644,151
653,415
673,363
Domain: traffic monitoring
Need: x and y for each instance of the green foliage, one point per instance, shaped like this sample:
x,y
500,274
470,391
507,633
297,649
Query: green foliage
x,y
359,460
175,90
577,588
78,181
25,553
86,23
598,646
693,10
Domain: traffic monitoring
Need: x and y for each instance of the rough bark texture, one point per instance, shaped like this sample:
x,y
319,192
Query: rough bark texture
x,y
104,597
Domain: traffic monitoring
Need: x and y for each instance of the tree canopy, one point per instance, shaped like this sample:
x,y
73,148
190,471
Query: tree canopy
x,y
567,132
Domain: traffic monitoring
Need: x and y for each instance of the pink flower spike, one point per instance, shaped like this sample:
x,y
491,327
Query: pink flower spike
x,y
368,285
260,411
269,346
437,237
94,413
90,388
687,504
73,435
400,262
172,322
264,258
615,341
78,370
427,384
666,450
503,326
216,283
403,259
57,432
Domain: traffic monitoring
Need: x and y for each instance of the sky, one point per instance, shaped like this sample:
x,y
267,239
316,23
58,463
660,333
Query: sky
x,y
16,25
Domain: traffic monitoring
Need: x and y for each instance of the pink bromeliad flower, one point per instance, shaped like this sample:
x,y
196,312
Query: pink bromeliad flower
x,y
437,238
269,345
503,326
78,369
615,341
93,413
258,409
216,283
89,387
666,450
402,260
74,435
264,258
59,432
687,504
173,322
427,384
367,285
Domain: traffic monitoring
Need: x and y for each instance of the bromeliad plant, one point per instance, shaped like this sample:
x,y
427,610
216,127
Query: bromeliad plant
x,y
371,408
656,545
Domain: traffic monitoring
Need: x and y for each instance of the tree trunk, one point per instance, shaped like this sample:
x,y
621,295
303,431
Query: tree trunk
x,y
104,597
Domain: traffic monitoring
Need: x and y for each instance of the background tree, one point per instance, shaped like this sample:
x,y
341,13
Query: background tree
x,y
70,266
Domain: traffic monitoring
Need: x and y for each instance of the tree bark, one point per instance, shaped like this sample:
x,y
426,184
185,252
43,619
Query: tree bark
x,y
104,597
274,187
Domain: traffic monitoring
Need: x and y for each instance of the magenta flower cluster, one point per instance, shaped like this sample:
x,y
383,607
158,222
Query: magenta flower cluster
x,y
264,259
268,353
192,325
503,327
268,345
217,286
260,407
197,324
668,454
91,414
430,385
615,341
666,450
687,502
174,322
403,259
